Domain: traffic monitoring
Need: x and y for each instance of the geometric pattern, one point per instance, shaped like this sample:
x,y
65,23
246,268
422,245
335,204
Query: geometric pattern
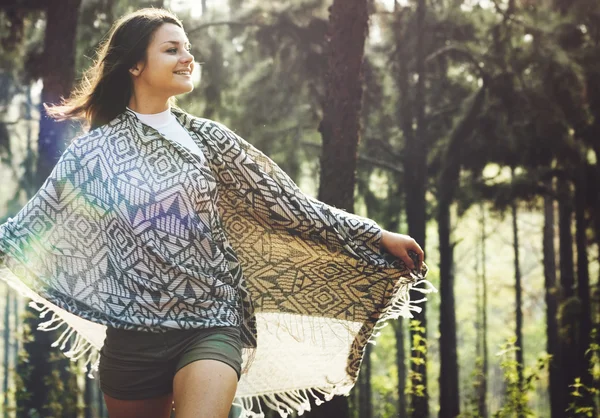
x,y
134,231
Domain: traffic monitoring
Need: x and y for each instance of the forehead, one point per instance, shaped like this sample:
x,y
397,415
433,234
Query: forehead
x,y
169,32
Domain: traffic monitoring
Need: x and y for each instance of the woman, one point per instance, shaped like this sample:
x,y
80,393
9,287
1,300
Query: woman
x,y
168,230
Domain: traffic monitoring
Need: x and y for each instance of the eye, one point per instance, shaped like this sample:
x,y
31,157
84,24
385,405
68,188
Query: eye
x,y
172,50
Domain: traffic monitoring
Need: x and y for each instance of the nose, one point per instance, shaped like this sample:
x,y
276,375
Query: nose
x,y
187,57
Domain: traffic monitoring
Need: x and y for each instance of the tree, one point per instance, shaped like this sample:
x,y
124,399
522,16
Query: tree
x,y
482,399
518,301
415,169
340,125
551,296
414,163
447,184
6,354
57,69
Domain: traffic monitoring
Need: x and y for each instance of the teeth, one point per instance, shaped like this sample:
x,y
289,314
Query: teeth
x,y
183,72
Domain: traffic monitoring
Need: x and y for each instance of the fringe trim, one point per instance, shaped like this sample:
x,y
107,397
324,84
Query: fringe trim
x,y
286,403
298,401
401,304
73,345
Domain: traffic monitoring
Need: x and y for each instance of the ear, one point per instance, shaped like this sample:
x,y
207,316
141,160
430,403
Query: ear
x,y
136,69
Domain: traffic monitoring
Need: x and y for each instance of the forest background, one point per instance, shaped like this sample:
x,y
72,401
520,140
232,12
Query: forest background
x,y
479,127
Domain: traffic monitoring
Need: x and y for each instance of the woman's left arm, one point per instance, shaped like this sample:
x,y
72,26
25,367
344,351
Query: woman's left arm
x,y
309,212
399,245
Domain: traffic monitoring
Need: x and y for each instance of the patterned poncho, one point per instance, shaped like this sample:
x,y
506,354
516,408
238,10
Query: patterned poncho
x,y
134,231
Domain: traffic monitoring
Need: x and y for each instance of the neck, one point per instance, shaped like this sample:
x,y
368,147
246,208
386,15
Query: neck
x,y
146,104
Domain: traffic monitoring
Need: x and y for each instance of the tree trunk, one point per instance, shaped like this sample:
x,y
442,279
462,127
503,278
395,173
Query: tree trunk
x,y
583,290
16,327
340,127
6,346
401,366
449,396
596,226
364,405
88,398
392,223
58,74
447,184
482,398
28,180
567,311
551,296
415,169
518,302
565,214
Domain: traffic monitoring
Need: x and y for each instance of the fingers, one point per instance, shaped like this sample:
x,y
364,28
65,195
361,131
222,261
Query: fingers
x,y
405,248
407,260
419,255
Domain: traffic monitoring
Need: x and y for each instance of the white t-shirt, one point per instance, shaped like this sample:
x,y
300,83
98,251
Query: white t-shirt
x,y
167,125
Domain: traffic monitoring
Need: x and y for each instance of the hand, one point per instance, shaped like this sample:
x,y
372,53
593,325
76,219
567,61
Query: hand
x,y
399,245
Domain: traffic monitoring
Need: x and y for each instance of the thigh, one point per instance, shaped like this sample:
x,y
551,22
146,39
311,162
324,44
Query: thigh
x,y
159,407
204,389
218,343
133,367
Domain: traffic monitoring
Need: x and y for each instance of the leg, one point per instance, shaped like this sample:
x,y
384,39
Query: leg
x,y
204,389
144,408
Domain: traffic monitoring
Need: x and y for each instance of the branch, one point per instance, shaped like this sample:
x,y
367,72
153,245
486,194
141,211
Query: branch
x,y
434,113
291,129
381,164
369,160
22,4
465,53
385,146
224,23
450,170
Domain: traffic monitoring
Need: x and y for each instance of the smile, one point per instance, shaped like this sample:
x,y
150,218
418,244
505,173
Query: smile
x,y
183,73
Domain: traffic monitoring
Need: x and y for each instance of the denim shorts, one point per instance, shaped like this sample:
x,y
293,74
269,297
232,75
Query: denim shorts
x,y
140,365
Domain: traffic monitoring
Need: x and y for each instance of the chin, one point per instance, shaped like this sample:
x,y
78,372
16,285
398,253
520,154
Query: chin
x,y
183,90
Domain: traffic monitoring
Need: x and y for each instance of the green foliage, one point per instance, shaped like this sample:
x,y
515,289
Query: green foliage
x,y
19,53
62,388
61,383
516,397
414,386
577,405
470,408
568,312
23,369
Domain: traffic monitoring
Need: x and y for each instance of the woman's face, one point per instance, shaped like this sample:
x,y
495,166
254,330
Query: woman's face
x,y
167,70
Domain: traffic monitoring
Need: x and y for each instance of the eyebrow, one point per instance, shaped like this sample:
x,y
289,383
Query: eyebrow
x,y
175,42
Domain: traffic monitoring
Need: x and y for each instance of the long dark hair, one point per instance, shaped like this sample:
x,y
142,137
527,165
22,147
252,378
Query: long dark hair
x,y
106,87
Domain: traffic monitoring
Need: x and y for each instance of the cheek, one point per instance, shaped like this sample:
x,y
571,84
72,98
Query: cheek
x,y
161,68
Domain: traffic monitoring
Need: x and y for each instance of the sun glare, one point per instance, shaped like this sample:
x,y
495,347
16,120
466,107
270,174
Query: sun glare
x,y
191,6
194,7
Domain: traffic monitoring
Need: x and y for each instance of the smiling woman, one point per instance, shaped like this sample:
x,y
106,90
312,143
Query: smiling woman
x,y
165,72
191,267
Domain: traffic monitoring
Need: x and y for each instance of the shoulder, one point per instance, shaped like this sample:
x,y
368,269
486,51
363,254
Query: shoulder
x,y
104,136
205,126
